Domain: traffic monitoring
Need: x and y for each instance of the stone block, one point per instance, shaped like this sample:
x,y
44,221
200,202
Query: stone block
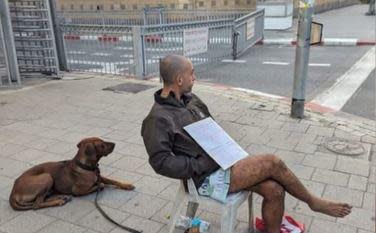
x,y
323,226
150,185
12,168
320,130
358,182
295,127
27,222
331,177
8,149
144,205
351,196
307,148
320,160
360,218
139,223
289,156
353,166
369,201
129,163
62,227
255,149
6,212
303,172
73,211
95,221
61,147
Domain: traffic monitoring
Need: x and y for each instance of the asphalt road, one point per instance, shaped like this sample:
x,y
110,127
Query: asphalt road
x,y
270,69
363,103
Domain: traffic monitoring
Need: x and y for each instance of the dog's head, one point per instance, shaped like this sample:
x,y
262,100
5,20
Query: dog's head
x,y
94,148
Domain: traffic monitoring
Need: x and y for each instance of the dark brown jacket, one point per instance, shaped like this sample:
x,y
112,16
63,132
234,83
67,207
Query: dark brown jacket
x,y
172,152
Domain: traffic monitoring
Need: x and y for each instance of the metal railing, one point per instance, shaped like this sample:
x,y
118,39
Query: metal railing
x,y
162,40
248,30
133,18
4,72
137,50
9,72
100,49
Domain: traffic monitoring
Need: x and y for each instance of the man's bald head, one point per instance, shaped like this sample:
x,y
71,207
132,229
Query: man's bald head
x,y
171,66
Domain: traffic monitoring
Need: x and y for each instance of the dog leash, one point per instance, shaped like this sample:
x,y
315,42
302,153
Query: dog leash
x,y
105,215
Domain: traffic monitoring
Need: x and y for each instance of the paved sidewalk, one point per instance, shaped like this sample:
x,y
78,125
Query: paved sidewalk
x,y
45,122
343,26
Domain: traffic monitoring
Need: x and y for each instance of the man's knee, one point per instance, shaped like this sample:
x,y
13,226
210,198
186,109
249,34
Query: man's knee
x,y
272,190
272,159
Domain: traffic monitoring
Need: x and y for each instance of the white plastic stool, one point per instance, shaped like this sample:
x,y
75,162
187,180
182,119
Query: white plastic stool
x,y
229,209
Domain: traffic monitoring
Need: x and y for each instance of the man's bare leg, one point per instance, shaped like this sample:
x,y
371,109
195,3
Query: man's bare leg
x,y
273,204
255,169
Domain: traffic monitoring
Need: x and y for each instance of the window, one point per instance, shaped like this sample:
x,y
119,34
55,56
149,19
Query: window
x,y
213,3
72,7
91,7
112,7
201,4
225,2
172,5
99,7
185,6
134,7
236,2
249,2
81,7
122,6
62,7
147,6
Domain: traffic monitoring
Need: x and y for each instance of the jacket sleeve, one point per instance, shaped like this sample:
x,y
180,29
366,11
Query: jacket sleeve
x,y
158,139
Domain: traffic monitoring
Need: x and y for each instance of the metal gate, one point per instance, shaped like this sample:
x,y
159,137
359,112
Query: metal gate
x,y
34,37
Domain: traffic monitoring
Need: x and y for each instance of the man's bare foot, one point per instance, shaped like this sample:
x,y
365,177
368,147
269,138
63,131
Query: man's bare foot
x,y
335,209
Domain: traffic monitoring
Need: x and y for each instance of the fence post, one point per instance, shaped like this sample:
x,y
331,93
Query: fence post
x,y
60,45
138,52
10,49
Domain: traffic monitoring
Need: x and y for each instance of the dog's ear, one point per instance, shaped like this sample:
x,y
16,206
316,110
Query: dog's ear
x,y
79,144
90,149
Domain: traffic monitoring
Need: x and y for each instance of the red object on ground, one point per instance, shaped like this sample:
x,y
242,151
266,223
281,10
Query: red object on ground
x,y
107,38
289,225
153,38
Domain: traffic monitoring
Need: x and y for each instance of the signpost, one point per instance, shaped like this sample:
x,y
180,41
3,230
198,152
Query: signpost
x,y
195,41
301,58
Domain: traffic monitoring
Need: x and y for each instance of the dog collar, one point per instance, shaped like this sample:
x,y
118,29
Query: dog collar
x,y
85,166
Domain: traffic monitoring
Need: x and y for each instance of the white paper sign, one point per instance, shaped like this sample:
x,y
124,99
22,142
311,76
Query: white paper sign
x,y
216,142
195,41
250,28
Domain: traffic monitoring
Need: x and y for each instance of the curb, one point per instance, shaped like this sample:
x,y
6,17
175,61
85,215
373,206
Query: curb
x,y
325,42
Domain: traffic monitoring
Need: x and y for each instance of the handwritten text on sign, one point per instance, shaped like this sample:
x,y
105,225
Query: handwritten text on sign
x,y
250,28
195,41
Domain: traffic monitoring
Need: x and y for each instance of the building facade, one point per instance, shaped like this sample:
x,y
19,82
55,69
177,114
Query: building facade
x,y
93,5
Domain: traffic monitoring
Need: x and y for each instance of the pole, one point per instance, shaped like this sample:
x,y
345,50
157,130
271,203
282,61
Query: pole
x,y
59,37
301,58
371,9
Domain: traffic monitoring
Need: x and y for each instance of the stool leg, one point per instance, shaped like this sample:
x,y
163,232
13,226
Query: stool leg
x,y
178,203
228,220
250,213
192,209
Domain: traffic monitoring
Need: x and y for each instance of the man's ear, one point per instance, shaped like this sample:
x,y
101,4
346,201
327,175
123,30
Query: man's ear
x,y
179,80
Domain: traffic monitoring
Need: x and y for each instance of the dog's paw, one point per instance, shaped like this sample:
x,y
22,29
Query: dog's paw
x,y
128,187
67,198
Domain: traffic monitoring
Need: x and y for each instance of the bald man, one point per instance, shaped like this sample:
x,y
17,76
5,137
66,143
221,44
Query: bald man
x,y
173,153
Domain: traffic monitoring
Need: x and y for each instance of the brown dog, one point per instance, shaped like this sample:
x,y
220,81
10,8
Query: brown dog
x,y
53,183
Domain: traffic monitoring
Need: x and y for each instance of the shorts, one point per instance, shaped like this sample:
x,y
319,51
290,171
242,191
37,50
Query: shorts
x,y
216,185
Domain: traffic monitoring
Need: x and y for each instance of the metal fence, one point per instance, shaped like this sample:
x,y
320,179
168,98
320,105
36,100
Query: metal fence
x,y
9,72
101,49
136,50
166,39
4,73
133,18
248,30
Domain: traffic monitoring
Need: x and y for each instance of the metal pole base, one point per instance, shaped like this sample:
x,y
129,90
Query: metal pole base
x,y
297,108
